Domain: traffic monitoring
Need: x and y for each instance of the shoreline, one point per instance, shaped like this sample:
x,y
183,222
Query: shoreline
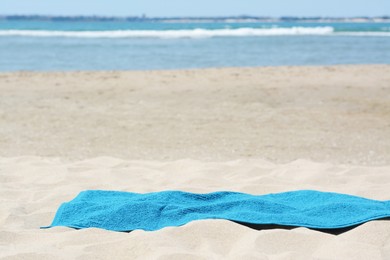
x,y
5,73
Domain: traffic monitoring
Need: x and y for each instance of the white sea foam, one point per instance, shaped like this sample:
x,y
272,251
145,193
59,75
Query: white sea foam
x,y
195,33
377,34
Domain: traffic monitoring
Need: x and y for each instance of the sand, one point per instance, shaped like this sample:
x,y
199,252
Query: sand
x,y
255,130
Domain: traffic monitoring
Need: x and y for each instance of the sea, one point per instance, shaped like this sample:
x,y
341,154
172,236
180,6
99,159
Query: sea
x,y
123,45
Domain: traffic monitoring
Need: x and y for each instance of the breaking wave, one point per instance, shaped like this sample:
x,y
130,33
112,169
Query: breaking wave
x,y
195,33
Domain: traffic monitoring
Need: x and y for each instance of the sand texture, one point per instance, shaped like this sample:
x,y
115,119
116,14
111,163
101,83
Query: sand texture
x,y
32,189
339,114
254,130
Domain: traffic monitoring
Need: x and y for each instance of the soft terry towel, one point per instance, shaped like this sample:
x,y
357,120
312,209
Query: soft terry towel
x,y
124,211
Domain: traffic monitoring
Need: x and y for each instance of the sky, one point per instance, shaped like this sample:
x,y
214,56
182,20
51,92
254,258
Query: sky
x,y
164,8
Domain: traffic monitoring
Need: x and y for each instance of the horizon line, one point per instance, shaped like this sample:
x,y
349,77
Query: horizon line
x,y
145,16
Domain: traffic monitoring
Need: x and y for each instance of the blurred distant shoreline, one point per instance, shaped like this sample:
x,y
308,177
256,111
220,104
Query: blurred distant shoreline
x,y
222,19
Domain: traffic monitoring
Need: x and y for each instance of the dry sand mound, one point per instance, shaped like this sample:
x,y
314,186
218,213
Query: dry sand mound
x,y
32,189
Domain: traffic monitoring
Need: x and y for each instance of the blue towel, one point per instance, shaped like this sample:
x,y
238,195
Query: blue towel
x,y
124,211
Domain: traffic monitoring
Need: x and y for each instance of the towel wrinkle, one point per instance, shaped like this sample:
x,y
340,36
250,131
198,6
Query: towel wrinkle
x,y
126,211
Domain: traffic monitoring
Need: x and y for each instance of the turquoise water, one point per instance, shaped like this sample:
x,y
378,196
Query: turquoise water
x,y
27,45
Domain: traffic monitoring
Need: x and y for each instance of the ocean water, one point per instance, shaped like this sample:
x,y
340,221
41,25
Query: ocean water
x,y
58,46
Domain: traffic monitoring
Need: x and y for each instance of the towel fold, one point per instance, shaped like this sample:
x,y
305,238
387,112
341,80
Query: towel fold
x,y
125,211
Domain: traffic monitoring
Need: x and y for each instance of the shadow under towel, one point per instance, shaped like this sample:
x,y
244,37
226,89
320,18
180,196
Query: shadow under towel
x,y
125,211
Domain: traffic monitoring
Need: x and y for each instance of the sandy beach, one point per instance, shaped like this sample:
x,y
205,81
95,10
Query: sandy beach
x,y
254,130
